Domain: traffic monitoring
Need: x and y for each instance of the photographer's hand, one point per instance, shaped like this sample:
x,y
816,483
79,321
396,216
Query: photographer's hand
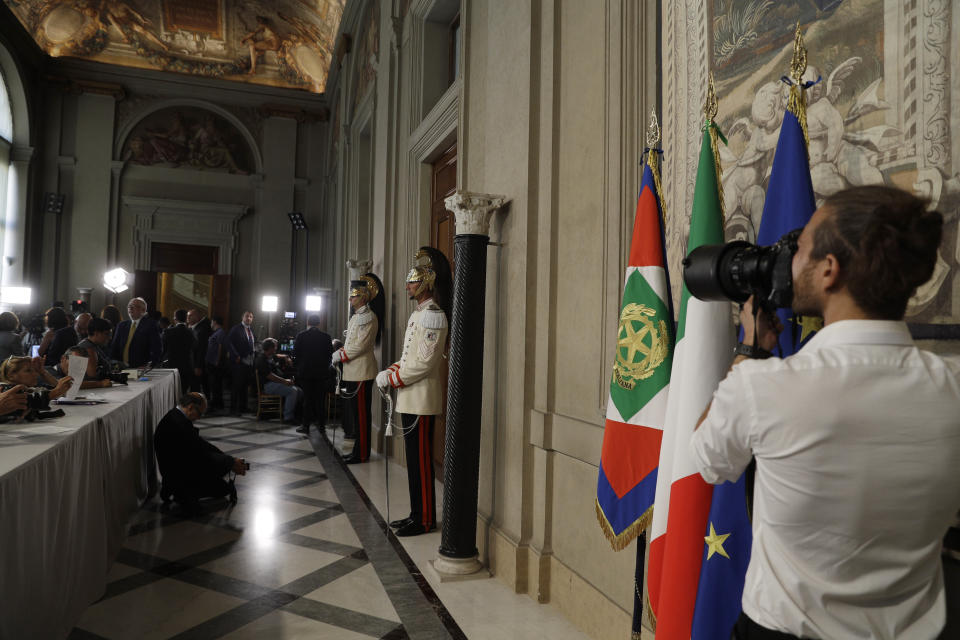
x,y
768,327
240,466
13,399
62,387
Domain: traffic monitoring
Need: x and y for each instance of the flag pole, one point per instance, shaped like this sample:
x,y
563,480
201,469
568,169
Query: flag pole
x,y
640,604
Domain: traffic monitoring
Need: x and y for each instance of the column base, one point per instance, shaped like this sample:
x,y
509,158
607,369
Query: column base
x,y
458,569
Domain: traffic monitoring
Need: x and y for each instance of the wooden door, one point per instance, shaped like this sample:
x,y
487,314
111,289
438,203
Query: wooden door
x,y
220,299
144,286
442,231
184,258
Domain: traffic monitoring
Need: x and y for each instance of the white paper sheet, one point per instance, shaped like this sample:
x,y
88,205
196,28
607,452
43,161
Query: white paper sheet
x,y
78,369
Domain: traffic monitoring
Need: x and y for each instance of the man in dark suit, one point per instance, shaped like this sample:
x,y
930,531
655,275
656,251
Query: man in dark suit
x,y
241,344
311,353
200,325
191,467
178,347
215,362
142,345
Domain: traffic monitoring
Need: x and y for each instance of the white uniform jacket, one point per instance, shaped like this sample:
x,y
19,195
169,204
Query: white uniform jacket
x,y
357,357
417,375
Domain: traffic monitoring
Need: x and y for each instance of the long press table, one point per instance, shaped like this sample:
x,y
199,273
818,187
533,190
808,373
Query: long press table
x,y
68,486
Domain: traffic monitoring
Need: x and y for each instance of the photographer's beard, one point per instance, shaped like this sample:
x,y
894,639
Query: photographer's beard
x,y
806,302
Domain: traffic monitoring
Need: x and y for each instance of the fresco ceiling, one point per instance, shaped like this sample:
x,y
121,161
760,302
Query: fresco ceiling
x,y
280,43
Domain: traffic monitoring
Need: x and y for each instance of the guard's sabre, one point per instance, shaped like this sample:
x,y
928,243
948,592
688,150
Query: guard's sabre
x,y
387,432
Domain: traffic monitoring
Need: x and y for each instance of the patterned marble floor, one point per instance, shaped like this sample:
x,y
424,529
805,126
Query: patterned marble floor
x,y
302,555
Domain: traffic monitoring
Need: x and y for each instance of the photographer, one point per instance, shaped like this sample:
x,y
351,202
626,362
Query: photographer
x,y
856,437
191,467
28,372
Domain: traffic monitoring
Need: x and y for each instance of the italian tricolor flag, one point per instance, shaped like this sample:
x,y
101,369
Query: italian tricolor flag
x,y
704,349
640,379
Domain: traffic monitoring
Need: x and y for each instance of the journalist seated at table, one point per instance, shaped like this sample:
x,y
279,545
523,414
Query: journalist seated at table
x,y
191,467
95,344
62,369
39,386
269,367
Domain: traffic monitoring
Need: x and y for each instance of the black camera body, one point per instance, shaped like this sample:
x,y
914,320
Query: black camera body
x,y
120,377
37,399
736,270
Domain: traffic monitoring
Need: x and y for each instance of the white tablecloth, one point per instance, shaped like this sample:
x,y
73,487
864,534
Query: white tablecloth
x,y
68,486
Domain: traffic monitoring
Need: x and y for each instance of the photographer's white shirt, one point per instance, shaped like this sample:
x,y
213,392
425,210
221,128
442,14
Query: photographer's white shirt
x,y
857,442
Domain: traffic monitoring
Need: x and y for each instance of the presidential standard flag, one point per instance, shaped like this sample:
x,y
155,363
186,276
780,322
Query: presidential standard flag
x,y
700,535
640,379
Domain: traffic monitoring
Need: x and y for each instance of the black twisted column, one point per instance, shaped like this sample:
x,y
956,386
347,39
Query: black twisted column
x,y
461,463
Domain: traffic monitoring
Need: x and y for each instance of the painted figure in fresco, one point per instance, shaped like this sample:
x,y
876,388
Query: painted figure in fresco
x,y
261,40
743,182
209,149
170,145
140,153
838,160
127,20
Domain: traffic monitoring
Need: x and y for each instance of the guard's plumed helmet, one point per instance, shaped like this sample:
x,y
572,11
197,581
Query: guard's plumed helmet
x,y
432,270
370,289
366,287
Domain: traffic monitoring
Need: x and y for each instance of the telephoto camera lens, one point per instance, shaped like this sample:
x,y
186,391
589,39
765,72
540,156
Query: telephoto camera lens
x,y
736,270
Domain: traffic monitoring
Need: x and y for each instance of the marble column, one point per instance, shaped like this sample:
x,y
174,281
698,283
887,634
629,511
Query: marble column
x,y
461,468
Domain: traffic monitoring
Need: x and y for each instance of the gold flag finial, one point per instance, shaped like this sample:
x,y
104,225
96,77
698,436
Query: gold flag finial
x,y
710,108
797,100
653,158
710,104
653,130
798,66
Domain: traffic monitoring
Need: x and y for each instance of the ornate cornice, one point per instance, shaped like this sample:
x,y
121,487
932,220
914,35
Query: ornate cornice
x,y
294,113
76,85
473,211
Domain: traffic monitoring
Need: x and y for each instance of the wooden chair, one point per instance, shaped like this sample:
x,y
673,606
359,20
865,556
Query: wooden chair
x,y
267,403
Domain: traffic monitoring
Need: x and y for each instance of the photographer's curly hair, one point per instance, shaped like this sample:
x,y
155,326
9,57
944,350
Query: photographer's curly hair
x,y
11,365
886,243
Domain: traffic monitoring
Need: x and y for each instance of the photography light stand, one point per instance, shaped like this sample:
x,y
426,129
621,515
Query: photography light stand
x,y
297,223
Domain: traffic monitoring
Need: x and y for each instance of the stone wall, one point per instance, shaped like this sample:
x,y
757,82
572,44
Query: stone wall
x,y
549,110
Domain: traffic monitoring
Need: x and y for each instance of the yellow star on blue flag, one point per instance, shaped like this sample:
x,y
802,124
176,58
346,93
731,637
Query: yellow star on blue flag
x,y
715,543
808,325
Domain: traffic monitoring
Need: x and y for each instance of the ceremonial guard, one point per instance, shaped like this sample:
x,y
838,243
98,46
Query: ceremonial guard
x,y
418,378
359,362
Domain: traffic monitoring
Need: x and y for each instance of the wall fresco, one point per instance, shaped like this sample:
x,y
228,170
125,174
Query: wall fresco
x,y
188,138
282,43
879,114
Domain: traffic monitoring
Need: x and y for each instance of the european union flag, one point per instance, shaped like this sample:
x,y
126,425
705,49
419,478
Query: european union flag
x,y
789,205
726,555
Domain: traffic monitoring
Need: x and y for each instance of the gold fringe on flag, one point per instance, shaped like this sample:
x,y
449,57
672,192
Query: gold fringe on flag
x,y
797,102
653,160
649,609
620,541
710,107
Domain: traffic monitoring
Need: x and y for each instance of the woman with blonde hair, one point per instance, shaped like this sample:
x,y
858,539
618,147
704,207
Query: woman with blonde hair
x,y
30,372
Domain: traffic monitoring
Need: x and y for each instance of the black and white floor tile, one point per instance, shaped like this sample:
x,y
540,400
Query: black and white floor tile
x,y
302,555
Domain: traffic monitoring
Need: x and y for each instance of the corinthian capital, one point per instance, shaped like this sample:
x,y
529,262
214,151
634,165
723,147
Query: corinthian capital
x,y
357,267
472,211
